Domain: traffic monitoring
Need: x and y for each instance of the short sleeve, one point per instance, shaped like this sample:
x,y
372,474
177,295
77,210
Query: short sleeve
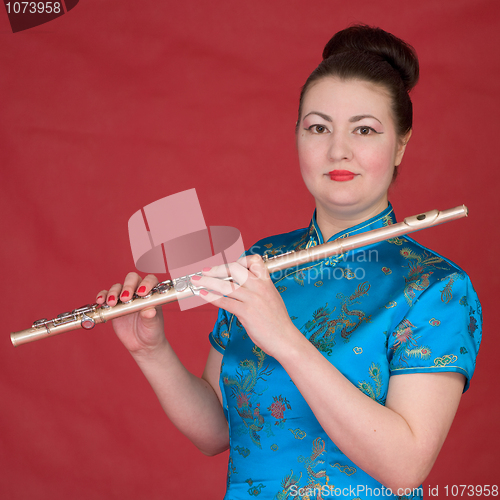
x,y
441,331
220,334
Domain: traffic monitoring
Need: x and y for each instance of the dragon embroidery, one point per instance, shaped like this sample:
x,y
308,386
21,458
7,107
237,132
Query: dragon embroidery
x,y
349,319
418,273
243,390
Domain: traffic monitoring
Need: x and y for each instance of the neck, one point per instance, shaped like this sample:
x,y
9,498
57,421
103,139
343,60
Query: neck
x,y
330,222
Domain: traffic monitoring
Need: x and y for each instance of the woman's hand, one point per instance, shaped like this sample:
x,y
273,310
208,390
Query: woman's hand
x,y
139,332
253,298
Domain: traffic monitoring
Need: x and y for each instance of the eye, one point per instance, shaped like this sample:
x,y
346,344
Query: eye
x,y
318,129
365,130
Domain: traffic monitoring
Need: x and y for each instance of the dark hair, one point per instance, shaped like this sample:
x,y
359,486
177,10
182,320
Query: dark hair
x,y
373,55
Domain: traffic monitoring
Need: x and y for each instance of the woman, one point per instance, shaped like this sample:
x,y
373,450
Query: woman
x,y
340,377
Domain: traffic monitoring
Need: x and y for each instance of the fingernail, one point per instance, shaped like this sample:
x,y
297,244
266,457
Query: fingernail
x,y
206,269
203,292
195,278
142,289
100,297
111,298
125,294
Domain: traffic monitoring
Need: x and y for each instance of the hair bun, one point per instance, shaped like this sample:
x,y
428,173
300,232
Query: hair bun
x,y
362,38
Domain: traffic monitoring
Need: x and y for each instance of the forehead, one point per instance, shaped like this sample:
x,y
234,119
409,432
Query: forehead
x,y
347,96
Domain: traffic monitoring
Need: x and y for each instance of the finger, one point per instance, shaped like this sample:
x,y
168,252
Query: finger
x,y
148,313
216,271
113,294
101,297
221,286
129,286
235,270
147,284
247,270
256,266
217,300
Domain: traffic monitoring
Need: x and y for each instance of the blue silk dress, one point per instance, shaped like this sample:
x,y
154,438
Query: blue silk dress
x,y
391,308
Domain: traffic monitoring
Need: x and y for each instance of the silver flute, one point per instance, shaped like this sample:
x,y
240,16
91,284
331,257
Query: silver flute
x,y
88,316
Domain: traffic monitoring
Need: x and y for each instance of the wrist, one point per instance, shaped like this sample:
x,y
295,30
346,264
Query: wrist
x,y
151,353
292,349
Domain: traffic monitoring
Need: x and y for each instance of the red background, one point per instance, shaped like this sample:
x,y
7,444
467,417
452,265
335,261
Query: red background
x,y
120,103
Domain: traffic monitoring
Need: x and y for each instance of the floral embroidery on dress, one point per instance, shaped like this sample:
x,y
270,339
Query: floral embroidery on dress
x,y
472,326
278,408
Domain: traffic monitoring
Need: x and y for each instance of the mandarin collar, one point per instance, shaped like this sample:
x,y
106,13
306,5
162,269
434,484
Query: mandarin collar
x,y
384,218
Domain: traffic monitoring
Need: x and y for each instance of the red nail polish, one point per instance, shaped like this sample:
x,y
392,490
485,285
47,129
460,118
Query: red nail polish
x,y
142,289
100,297
111,297
196,278
125,294
203,292
206,269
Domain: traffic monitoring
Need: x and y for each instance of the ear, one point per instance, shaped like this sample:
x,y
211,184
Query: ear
x,y
402,148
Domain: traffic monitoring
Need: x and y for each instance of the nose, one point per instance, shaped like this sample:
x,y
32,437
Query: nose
x,y
339,148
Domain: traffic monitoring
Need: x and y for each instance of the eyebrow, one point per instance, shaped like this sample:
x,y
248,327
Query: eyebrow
x,y
357,118
353,119
325,117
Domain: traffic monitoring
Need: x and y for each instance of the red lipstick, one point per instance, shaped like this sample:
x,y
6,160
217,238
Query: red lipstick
x,y
341,175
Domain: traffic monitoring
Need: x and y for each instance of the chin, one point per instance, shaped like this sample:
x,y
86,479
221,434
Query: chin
x,y
354,206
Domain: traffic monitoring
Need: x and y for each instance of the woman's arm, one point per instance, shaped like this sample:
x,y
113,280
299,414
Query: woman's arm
x,y
193,404
396,444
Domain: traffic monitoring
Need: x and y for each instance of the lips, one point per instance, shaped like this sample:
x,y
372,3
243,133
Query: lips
x,y
341,175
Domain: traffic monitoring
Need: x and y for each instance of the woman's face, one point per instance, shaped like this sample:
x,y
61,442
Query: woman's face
x,y
348,147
